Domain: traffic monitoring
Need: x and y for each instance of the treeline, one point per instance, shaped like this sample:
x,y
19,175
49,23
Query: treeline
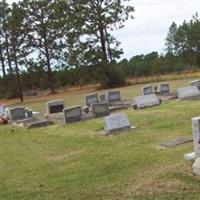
x,y
50,44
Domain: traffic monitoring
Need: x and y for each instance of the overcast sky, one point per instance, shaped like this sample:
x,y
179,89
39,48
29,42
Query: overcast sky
x,y
152,18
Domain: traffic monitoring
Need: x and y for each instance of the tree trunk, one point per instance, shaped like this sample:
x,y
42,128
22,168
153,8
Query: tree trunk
x,y
49,71
8,55
2,62
103,43
18,76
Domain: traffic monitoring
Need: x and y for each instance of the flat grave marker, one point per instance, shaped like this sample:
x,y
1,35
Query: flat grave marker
x,y
176,142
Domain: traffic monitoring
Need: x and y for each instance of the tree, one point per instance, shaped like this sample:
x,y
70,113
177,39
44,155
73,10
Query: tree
x,y
45,32
100,18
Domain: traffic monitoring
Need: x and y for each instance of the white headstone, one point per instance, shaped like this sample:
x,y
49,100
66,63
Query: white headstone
x,y
146,101
100,109
164,88
55,106
72,114
17,113
2,110
196,167
116,122
92,98
146,90
195,83
114,96
196,135
191,92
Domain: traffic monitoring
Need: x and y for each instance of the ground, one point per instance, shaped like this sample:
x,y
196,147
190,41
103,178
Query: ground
x,y
75,162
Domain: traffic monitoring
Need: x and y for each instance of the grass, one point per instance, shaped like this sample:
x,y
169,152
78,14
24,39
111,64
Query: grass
x,y
74,162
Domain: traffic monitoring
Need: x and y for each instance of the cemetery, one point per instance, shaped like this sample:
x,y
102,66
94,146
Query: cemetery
x,y
129,143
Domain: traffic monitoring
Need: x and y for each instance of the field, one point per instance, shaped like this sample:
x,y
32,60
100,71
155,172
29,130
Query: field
x,y
74,162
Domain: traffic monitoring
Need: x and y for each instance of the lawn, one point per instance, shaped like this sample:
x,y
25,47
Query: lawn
x,y
75,162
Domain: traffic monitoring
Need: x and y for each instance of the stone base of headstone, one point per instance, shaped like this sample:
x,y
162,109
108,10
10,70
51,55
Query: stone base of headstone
x,y
190,156
196,167
33,122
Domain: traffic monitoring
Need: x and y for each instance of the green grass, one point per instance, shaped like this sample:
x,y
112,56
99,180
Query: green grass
x,y
75,162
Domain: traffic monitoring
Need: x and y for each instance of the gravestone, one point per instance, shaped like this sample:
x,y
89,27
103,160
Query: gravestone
x,y
146,90
100,109
176,142
164,88
195,83
90,99
196,135
102,97
116,122
2,110
191,92
55,106
72,114
146,101
113,96
17,113
196,167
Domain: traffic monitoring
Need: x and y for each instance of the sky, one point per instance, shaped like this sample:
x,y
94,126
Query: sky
x,y
149,28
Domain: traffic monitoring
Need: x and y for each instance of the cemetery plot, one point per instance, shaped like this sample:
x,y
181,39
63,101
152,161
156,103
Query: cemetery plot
x,y
146,101
186,93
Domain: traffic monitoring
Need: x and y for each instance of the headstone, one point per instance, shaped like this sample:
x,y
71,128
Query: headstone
x,y
90,99
2,110
196,167
191,92
196,135
114,96
164,88
72,114
100,109
17,113
195,83
146,101
55,106
102,97
146,90
116,122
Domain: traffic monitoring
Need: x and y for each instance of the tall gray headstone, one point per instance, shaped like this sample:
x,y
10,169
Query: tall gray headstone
x,y
195,83
146,90
116,122
92,98
100,109
191,92
72,114
55,106
196,135
17,113
164,88
114,96
146,101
